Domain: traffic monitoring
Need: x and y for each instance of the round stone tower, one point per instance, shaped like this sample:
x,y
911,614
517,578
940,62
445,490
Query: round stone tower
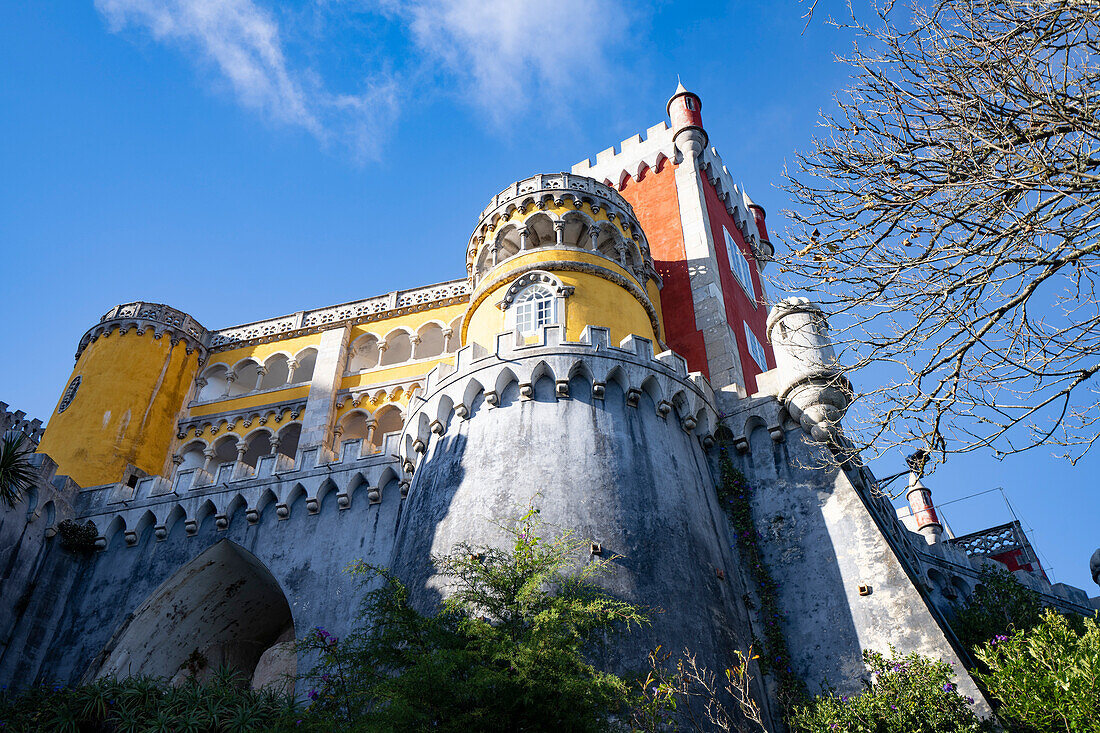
x,y
579,418
117,417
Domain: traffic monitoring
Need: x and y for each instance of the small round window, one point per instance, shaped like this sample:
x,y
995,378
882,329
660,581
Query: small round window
x,y
70,392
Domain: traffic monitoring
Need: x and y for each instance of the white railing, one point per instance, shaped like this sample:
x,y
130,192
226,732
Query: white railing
x,y
377,305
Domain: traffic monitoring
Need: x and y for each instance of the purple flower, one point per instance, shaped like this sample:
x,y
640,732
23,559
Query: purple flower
x,y
844,699
893,706
948,687
999,637
969,700
312,695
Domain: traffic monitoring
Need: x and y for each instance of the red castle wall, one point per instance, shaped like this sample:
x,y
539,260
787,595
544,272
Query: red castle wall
x,y
657,207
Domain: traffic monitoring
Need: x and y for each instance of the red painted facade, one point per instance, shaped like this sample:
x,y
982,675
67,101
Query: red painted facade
x,y
657,207
656,203
740,307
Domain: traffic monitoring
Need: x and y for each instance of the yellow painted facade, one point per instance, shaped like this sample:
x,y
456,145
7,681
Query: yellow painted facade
x,y
244,402
124,412
261,352
144,403
596,300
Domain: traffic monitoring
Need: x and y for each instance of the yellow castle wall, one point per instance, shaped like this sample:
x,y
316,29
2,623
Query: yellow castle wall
x,y
595,301
131,391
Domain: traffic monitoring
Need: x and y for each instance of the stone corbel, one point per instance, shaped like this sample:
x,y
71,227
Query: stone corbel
x,y
562,388
633,395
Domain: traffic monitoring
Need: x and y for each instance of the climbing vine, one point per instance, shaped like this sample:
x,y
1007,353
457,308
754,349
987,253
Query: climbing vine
x,y
735,496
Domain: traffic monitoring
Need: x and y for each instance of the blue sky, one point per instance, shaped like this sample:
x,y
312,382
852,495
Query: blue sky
x,y
241,159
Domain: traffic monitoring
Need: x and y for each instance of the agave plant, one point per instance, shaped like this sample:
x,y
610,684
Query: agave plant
x,y
16,472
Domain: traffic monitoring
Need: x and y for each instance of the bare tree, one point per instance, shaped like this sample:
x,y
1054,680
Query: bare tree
x,y
947,218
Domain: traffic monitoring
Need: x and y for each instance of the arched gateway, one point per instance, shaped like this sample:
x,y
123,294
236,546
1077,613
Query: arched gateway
x,y
222,608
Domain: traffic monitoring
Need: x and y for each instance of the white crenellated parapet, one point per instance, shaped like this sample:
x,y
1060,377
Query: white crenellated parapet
x,y
17,422
637,153
807,379
450,391
279,483
634,155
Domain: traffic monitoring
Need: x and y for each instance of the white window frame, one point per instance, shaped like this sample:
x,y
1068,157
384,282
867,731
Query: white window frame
x,y
756,349
740,266
543,311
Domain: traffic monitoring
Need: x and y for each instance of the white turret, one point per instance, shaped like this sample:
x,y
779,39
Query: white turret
x,y
808,381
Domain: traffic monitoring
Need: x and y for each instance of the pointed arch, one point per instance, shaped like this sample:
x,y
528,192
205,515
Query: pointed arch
x,y
224,605
206,511
145,523
177,515
504,378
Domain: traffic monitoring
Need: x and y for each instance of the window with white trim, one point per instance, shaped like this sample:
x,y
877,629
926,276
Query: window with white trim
x,y
534,308
740,265
756,349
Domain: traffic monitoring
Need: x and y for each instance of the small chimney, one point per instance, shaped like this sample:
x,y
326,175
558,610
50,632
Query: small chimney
x,y
924,512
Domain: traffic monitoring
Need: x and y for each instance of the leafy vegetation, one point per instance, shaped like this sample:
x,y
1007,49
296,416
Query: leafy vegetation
x,y
908,694
735,497
1046,678
223,703
999,606
16,472
505,652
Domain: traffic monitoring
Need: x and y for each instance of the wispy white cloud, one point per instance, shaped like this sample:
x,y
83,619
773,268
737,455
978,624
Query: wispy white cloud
x,y
510,59
515,57
244,43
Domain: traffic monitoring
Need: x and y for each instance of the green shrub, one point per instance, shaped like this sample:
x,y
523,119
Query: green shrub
x,y
1046,678
505,652
910,694
223,703
1000,605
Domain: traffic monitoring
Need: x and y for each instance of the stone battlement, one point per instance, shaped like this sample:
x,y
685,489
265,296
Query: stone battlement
x,y
17,422
481,377
141,316
555,184
636,154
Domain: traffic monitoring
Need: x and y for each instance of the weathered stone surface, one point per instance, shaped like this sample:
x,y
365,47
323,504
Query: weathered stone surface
x,y
277,667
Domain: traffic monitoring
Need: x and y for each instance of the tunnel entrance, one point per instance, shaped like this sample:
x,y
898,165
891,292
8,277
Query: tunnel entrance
x,y
222,608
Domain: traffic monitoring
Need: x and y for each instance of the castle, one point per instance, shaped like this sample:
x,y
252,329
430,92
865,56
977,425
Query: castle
x,y
610,337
